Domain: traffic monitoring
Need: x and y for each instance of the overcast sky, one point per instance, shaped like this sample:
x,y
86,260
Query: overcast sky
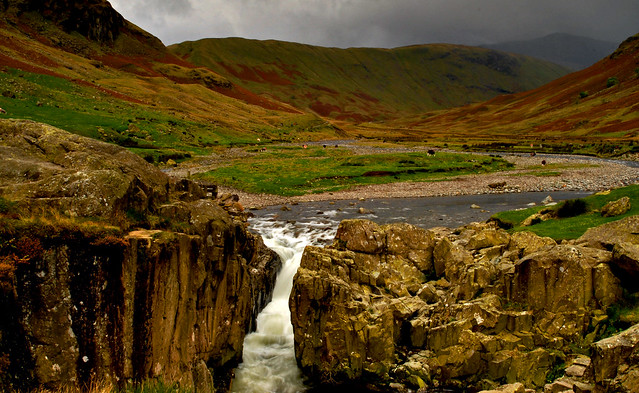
x,y
382,23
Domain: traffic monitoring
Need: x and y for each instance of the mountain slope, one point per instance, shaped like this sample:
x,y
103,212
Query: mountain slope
x,y
572,51
82,67
363,84
600,103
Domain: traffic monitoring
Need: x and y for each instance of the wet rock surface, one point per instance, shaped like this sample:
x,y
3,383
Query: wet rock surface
x,y
402,308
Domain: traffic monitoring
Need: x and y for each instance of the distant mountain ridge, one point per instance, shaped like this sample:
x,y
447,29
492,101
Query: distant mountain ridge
x,y
366,84
599,103
574,52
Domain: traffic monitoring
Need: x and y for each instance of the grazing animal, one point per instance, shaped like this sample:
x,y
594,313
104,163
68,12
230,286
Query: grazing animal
x,y
2,111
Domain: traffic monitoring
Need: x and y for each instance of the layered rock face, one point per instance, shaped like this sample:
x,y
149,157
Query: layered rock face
x,y
399,307
85,300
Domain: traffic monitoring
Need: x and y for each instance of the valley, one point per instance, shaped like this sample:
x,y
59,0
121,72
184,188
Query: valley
x,y
149,200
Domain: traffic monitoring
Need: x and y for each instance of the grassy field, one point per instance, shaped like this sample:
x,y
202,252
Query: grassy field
x,y
571,227
293,170
155,133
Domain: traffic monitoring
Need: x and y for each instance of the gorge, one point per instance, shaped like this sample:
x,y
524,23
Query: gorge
x,y
114,273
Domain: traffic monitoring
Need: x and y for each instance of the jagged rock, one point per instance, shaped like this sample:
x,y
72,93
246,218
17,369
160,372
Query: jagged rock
x,y
102,303
525,243
615,361
616,208
565,278
449,258
558,387
363,310
488,238
361,236
202,379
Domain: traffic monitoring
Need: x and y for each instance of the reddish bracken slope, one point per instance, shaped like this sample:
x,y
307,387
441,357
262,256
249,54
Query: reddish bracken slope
x,y
601,101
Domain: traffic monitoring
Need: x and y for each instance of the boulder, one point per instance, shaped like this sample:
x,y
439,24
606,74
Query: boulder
x,y
615,360
607,235
616,208
449,258
360,236
625,264
525,243
510,388
488,238
565,278
48,169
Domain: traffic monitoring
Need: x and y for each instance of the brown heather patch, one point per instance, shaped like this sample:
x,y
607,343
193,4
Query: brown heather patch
x,y
19,46
323,109
321,88
245,73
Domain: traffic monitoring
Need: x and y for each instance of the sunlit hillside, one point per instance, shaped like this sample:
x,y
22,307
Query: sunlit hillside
x,y
597,105
365,84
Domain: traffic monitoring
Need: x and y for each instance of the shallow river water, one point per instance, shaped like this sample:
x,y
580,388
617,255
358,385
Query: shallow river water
x,y
269,358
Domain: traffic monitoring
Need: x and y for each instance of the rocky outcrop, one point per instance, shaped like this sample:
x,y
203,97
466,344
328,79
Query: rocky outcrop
x,y
94,19
45,168
400,307
616,362
121,274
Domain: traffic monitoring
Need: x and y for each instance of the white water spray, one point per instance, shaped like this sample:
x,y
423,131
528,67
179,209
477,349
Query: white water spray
x,y
268,361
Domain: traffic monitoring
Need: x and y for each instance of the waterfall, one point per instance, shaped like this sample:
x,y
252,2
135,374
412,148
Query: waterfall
x,y
268,360
269,364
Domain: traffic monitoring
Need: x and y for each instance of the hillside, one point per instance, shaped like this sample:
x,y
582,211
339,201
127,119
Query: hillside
x,y
572,51
365,84
597,105
89,71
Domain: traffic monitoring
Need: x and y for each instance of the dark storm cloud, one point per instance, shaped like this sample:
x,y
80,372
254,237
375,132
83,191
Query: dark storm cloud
x,y
383,23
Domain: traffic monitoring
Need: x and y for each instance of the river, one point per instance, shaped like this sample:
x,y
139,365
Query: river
x,y
268,364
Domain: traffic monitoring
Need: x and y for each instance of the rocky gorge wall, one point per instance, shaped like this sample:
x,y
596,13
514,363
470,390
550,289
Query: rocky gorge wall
x,y
112,272
400,308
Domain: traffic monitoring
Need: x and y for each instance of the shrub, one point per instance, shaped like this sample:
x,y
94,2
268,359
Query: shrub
x,y
6,205
583,94
572,208
612,81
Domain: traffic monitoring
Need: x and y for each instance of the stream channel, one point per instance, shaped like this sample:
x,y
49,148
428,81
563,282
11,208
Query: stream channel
x,y
269,357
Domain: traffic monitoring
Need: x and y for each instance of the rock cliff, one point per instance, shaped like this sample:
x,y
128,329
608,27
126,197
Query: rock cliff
x,y
111,271
94,19
397,307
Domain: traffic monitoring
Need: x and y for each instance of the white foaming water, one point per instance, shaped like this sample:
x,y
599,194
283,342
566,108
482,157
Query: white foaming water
x,y
268,360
